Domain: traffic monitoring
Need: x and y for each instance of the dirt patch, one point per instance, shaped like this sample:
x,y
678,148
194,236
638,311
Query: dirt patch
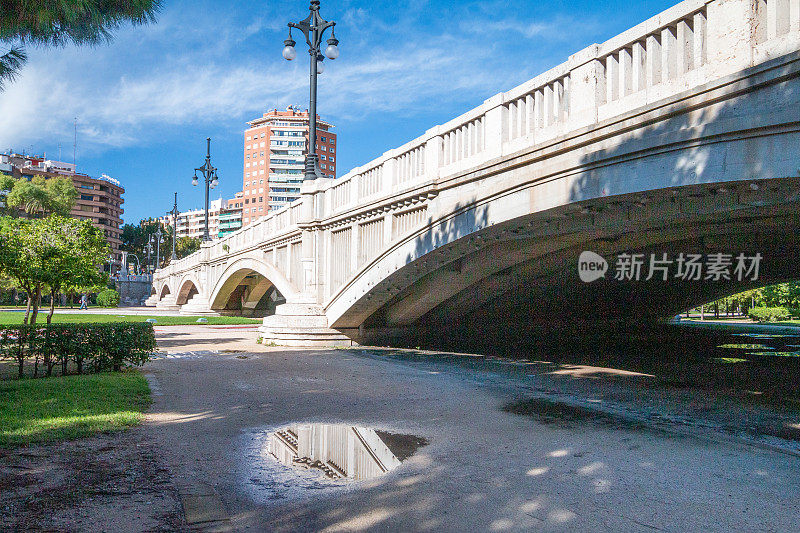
x,y
110,482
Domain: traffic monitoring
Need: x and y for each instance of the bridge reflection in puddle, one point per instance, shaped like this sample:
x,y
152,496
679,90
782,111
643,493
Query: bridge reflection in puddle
x,y
341,452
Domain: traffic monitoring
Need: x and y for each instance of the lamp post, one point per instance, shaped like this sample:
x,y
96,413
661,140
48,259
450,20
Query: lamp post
x,y
209,172
313,27
159,238
174,214
149,250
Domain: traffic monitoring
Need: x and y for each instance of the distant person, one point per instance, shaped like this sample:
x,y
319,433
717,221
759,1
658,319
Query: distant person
x,y
84,301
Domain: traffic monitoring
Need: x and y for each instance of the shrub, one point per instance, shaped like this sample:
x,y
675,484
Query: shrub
x,y
769,314
108,298
99,347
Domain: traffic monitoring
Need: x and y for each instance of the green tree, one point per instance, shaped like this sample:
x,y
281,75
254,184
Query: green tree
x,y
186,246
135,239
84,22
53,253
21,261
40,196
72,252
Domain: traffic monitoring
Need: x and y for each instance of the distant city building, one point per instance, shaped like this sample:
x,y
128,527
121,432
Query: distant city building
x,y
229,221
274,158
99,199
221,221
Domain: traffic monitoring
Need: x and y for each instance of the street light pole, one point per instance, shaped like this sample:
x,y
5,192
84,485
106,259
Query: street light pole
x,y
174,214
159,239
149,249
209,173
313,27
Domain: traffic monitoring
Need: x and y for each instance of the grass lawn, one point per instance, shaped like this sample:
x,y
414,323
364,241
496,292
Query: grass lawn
x,y
61,408
15,317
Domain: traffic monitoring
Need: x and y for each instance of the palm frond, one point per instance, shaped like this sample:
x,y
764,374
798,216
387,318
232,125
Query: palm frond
x,y
77,21
10,65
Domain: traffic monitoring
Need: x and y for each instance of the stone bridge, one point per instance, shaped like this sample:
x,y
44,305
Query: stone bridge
x,y
679,136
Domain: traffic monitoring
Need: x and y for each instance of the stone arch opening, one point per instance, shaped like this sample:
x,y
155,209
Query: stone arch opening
x,y
187,291
249,293
164,292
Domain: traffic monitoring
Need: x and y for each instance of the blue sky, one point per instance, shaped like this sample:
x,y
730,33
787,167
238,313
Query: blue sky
x,y
146,103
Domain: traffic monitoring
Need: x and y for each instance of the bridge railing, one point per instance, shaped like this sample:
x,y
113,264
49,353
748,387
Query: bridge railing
x,y
676,50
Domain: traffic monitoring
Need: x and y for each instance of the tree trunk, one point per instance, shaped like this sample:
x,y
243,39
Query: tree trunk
x,y
28,308
48,360
36,301
52,310
703,312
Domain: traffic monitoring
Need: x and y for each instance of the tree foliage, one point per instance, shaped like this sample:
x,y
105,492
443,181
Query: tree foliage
x,y
186,246
39,196
84,22
51,253
786,295
136,236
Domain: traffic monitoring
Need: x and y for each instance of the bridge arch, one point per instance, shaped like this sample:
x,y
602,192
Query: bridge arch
x,y
164,292
187,289
246,282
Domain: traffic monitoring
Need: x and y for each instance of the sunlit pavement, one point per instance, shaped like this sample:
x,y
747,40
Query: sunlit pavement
x,y
483,470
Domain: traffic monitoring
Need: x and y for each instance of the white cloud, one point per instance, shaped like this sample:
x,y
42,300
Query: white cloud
x,y
121,98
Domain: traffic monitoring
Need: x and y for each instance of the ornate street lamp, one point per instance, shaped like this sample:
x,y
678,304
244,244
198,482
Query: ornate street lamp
x,y
313,27
149,250
159,238
209,173
174,214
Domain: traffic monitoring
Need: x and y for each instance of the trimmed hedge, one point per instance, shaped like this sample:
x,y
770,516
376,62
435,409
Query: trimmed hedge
x,y
769,314
96,347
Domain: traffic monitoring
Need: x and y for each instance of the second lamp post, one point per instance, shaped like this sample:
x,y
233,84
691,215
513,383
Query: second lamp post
x,y
209,173
313,27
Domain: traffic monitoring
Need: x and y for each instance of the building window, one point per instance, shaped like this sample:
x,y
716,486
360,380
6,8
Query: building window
x,y
87,197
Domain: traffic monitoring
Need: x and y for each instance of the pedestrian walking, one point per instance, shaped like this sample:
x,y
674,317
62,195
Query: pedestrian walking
x,y
84,301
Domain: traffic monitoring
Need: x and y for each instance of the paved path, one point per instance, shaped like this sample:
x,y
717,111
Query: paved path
x,y
484,469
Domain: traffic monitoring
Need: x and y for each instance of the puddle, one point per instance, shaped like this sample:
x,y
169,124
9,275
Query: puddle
x,y
765,335
340,452
775,354
745,347
730,360
305,460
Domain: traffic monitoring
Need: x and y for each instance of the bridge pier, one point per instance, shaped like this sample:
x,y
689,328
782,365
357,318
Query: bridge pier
x,y
168,303
301,324
198,306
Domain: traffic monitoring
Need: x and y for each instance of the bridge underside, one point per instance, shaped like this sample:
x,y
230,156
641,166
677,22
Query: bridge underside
x,y
506,286
247,293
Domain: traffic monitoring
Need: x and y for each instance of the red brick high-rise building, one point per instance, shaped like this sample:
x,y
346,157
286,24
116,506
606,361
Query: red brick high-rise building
x,y
274,155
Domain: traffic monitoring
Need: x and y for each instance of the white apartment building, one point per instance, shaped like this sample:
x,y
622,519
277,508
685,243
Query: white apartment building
x,y
192,223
